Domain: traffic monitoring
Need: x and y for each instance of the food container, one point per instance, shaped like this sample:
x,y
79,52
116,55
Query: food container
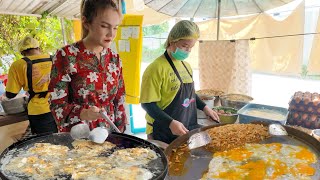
x,y
259,112
203,93
15,105
236,101
227,114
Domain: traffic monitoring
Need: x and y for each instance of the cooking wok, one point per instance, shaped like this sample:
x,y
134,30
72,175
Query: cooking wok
x,y
196,161
158,167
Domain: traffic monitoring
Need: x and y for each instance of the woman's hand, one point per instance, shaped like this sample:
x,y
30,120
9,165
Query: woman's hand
x,y
177,128
90,114
211,113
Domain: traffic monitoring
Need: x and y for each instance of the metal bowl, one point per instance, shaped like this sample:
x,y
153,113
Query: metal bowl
x,y
236,101
227,118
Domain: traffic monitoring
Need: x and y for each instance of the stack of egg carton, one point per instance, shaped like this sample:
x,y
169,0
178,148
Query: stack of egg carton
x,y
304,110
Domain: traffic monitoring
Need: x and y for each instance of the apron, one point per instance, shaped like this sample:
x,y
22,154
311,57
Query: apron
x,y
183,108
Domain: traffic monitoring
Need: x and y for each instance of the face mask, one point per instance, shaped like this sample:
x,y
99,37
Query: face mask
x,y
180,54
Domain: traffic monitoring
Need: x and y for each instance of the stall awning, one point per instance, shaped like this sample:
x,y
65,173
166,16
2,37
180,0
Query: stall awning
x,y
61,8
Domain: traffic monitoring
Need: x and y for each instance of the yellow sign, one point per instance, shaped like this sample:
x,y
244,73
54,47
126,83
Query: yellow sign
x,y
128,44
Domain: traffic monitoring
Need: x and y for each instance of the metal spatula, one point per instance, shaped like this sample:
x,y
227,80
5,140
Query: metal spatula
x,y
199,139
105,116
277,130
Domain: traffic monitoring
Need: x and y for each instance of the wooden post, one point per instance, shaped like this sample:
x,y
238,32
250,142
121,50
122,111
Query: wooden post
x,y
63,31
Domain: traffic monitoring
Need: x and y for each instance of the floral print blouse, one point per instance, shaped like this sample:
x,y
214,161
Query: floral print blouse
x,y
80,80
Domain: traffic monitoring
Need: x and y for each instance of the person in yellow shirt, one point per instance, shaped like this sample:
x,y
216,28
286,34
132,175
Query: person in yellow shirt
x,y
32,73
167,89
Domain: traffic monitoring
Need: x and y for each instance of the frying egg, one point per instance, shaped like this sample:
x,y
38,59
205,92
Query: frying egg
x,y
262,161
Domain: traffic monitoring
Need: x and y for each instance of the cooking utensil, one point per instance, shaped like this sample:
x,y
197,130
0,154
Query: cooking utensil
x,y
105,116
80,131
158,167
99,134
199,139
277,130
196,162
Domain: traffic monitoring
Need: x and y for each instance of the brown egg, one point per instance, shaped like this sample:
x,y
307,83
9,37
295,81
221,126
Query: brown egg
x,y
296,115
300,122
301,108
297,99
316,101
313,117
307,93
307,100
293,107
310,109
307,124
304,117
299,93
317,124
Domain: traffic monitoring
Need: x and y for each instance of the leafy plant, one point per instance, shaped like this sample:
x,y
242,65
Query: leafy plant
x,y
47,30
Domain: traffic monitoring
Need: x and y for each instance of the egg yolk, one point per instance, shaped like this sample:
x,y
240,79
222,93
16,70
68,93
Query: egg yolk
x,y
236,154
304,169
305,154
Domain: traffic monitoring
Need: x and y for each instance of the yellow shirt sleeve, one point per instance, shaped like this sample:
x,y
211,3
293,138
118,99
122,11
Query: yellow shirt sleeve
x,y
14,83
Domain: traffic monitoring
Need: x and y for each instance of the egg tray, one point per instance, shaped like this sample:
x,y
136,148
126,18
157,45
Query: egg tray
x,y
305,102
304,119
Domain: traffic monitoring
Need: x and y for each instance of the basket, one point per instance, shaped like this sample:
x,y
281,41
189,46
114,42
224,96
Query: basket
x,y
236,101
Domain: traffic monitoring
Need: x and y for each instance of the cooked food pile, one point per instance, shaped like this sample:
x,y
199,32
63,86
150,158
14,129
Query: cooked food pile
x,y
237,97
85,161
210,92
235,135
262,161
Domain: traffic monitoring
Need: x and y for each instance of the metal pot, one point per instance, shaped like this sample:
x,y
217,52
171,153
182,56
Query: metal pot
x,y
236,101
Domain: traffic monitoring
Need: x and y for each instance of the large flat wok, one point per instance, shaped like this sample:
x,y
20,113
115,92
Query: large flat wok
x,y
196,162
159,166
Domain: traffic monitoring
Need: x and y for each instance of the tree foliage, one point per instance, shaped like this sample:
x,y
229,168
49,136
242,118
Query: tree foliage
x,y
154,34
47,30
155,29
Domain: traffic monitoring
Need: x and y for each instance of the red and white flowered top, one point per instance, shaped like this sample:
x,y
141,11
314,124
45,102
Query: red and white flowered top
x,y
79,80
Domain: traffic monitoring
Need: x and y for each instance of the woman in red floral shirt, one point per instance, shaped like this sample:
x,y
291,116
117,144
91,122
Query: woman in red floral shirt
x,y
87,76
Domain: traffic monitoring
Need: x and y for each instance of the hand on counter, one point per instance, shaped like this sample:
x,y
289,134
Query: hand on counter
x,y
211,113
177,128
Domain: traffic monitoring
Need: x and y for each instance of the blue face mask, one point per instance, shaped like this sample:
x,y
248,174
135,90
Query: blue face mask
x,y
180,54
